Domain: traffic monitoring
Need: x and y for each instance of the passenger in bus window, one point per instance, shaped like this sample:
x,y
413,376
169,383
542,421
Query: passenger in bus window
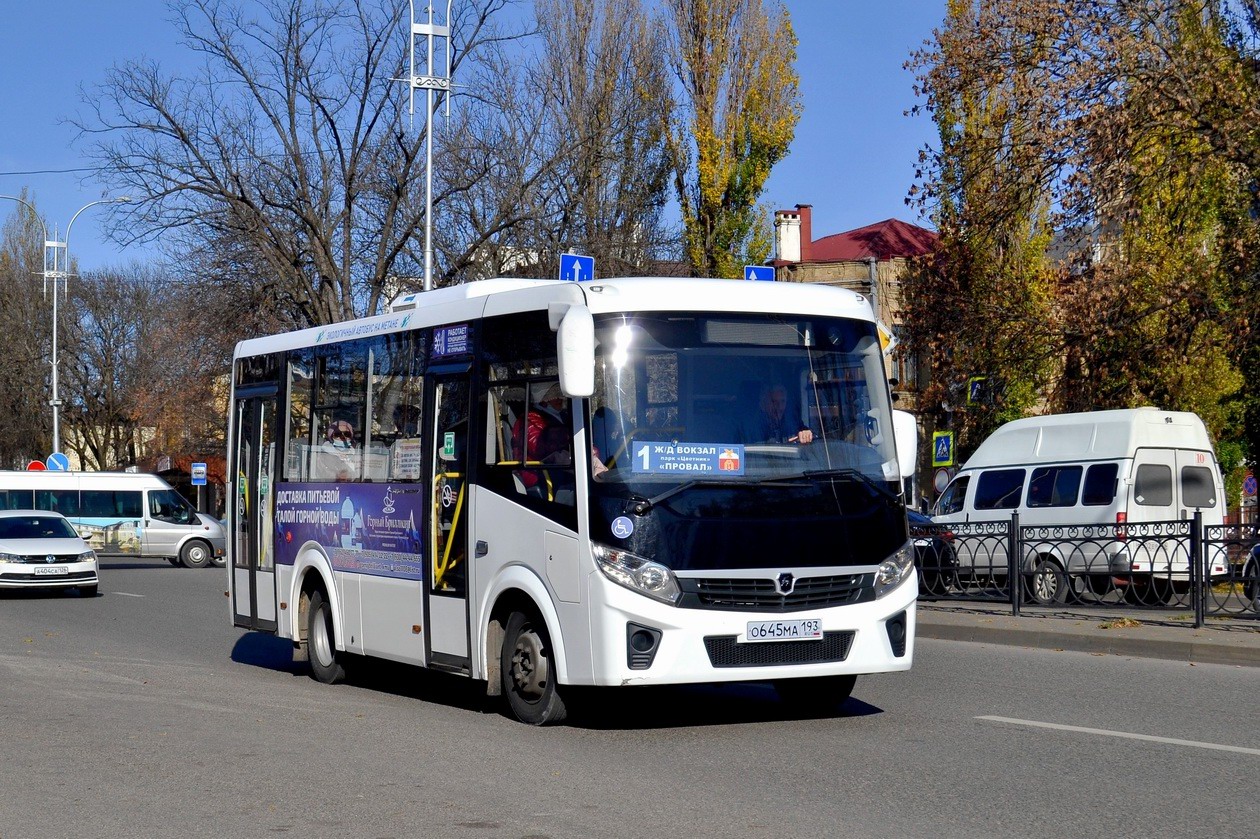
x,y
545,435
772,422
338,455
406,420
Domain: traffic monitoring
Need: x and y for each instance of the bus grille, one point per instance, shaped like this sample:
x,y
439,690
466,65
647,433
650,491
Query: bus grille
x,y
744,594
726,651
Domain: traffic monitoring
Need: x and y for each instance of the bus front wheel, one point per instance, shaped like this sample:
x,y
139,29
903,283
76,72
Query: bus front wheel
x,y
320,642
527,668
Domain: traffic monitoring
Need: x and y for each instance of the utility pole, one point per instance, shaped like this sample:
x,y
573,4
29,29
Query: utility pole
x,y
434,35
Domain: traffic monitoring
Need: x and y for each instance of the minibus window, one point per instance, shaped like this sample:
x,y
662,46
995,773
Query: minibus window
x,y
1197,487
952,500
999,489
1100,484
1153,485
1054,486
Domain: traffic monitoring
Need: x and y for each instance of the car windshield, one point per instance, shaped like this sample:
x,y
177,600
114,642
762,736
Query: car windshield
x,y
36,527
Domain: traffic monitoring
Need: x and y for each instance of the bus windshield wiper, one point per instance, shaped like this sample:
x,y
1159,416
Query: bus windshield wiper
x,y
642,505
857,474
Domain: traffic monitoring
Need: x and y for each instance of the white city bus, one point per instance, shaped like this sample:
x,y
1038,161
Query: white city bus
x,y
392,499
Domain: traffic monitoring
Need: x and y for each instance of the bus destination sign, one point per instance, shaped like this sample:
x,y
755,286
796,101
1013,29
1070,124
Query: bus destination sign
x,y
671,458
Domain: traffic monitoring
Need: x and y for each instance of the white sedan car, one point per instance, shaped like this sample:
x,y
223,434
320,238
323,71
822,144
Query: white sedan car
x,y
39,549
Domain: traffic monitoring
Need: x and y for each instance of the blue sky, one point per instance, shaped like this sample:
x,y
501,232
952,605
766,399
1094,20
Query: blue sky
x,y
853,157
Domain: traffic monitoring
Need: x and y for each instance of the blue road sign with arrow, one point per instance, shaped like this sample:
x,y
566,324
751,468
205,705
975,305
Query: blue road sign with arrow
x,y
577,268
759,272
58,462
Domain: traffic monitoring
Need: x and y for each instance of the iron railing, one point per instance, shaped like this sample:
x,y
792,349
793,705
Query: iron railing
x,y
1179,565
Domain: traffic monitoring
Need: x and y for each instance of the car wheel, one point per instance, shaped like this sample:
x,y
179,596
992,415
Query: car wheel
x,y
1048,585
817,693
527,667
321,643
195,554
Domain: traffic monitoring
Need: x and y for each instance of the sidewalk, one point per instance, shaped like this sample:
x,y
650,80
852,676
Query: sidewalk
x,y
1157,634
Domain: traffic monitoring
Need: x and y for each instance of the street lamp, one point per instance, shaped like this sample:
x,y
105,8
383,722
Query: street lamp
x,y
53,246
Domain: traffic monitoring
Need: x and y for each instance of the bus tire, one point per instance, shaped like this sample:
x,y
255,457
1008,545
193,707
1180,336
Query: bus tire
x,y
195,554
321,643
815,693
527,669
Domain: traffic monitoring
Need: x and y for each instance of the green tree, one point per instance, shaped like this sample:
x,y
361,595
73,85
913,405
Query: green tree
x,y
740,99
1133,130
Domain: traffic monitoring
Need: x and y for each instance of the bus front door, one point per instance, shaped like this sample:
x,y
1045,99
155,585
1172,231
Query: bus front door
x,y
252,539
447,540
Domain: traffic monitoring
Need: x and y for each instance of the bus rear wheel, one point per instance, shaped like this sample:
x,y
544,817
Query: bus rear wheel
x,y
195,554
321,643
527,668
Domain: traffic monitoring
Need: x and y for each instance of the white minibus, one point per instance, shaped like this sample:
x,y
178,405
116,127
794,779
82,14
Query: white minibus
x,y
121,514
1137,466
542,484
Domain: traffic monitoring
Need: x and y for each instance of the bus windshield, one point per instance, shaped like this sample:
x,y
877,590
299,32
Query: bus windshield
x,y
698,414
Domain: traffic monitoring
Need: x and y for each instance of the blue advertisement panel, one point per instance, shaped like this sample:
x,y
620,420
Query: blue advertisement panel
x,y
688,458
365,528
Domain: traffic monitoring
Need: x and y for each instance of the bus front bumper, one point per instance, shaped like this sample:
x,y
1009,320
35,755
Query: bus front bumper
x,y
640,641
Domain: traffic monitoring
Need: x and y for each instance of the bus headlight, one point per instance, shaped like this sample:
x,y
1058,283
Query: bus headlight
x,y
637,573
894,570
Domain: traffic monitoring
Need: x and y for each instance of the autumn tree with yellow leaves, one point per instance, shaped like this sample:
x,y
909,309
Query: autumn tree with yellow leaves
x,y
739,105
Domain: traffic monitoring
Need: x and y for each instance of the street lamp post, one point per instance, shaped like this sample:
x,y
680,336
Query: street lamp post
x,y
429,82
59,274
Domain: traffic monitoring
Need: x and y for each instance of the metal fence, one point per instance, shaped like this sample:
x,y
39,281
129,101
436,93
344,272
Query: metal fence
x,y
1171,565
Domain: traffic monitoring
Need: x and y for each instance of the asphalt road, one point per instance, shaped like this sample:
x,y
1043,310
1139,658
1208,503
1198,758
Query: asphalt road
x,y
142,712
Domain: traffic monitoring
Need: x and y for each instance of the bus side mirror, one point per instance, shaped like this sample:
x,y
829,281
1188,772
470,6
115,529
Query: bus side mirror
x,y
906,436
575,350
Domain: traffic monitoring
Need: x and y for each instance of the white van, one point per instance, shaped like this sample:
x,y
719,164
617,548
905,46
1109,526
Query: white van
x,y
1110,468
121,514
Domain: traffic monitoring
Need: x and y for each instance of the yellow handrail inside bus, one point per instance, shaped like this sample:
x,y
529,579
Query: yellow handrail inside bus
x,y
440,569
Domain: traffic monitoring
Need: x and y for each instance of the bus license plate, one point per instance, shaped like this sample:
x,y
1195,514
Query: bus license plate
x,y
801,630
51,571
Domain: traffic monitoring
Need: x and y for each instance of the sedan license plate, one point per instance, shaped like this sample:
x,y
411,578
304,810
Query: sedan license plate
x,y
51,570
800,630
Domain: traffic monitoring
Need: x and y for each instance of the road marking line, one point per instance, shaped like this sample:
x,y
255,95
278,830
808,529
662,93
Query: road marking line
x,y
1126,735
126,594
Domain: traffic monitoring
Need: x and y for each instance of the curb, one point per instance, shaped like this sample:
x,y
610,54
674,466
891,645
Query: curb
x,y
1174,644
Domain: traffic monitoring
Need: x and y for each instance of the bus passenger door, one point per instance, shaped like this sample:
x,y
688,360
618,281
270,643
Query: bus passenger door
x,y
252,531
448,411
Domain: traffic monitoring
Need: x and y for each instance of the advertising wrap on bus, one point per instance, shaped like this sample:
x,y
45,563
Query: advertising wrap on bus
x,y
364,528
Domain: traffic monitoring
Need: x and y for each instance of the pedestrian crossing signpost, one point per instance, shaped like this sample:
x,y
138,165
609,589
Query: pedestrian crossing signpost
x,y
942,448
